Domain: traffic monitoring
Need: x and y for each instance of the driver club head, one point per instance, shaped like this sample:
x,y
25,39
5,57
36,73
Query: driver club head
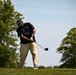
x,y
46,49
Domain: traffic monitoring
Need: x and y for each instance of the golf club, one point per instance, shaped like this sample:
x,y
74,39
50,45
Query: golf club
x,y
46,49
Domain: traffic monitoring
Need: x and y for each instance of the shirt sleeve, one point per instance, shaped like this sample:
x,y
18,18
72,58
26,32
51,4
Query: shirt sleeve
x,y
19,32
30,25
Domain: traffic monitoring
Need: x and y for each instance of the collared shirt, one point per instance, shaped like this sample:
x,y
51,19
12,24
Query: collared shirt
x,y
26,30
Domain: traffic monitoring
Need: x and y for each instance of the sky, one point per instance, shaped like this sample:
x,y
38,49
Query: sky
x,y
52,20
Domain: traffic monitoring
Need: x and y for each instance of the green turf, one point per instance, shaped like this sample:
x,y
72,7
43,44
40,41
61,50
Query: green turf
x,y
10,71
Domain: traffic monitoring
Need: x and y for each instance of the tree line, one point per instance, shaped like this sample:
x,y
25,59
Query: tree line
x,y
8,38
8,45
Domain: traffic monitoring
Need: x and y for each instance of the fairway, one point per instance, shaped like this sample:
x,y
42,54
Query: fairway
x,y
12,71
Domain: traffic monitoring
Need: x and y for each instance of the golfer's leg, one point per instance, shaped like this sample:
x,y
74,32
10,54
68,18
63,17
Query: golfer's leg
x,y
34,50
23,54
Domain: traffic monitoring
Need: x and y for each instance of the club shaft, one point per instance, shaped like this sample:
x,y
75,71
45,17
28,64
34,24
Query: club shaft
x,y
40,46
37,43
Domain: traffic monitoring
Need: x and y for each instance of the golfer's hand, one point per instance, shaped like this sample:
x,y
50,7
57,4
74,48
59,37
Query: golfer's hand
x,y
31,40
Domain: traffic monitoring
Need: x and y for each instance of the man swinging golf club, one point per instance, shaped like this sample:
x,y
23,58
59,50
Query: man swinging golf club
x,y
25,31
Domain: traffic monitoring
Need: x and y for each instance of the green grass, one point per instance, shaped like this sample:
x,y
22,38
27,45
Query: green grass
x,y
11,71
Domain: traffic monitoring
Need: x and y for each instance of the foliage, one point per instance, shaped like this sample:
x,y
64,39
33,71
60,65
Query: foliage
x,y
55,66
68,50
8,45
41,67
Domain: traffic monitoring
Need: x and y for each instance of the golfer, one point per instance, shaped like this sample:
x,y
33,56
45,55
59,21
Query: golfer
x,y
26,31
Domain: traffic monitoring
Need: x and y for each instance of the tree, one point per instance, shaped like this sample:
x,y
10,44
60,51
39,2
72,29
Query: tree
x,y
68,50
8,45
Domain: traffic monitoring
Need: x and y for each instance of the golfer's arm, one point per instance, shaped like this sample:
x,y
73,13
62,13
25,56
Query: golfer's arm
x,y
34,31
25,38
